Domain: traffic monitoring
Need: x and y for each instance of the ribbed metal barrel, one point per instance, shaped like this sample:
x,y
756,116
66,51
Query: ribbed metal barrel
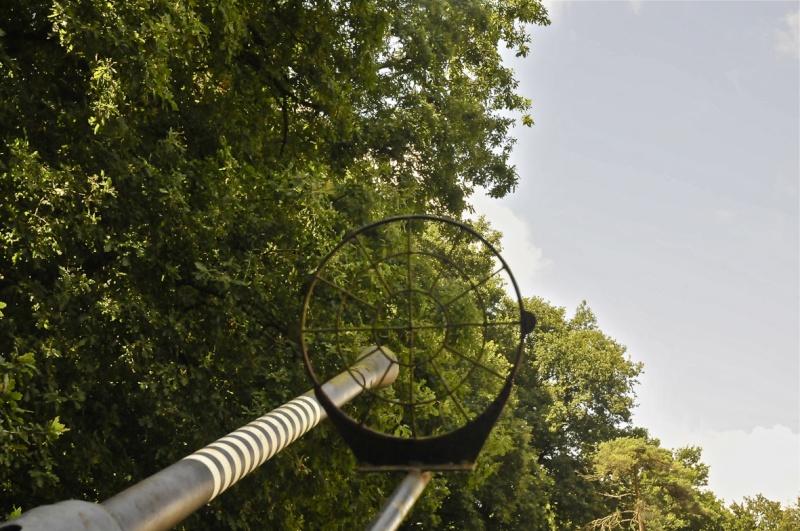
x,y
167,497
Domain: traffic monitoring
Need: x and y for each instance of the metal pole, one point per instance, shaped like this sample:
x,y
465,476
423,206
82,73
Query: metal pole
x,y
167,497
400,503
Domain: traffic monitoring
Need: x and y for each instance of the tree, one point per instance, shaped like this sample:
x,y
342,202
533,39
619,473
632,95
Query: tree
x,y
170,173
758,513
575,391
509,488
654,488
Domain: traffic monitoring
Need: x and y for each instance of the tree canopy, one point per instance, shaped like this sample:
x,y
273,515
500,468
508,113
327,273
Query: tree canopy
x,y
757,513
653,488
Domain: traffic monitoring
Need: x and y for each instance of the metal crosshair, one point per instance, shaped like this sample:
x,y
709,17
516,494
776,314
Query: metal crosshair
x,y
432,292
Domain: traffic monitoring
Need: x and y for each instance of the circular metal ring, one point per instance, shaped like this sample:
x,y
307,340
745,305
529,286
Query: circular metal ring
x,y
434,292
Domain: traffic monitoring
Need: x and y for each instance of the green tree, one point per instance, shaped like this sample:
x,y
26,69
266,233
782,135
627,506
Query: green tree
x,y
576,391
170,173
759,513
654,488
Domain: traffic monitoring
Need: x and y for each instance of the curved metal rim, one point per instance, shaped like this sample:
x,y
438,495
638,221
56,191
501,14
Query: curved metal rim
x,y
348,238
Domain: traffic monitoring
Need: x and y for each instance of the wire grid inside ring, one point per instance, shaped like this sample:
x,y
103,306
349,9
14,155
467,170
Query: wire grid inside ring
x,y
433,292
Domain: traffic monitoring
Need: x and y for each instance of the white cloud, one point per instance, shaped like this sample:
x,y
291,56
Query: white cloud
x,y
553,8
785,186
787,37
722,215
736,76
763,461
556,7
525,259
744,463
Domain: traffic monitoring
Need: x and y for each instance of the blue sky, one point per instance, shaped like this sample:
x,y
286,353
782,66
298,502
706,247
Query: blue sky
x,y
660,184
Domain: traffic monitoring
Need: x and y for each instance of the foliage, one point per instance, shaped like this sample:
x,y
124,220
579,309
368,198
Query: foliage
x,y
573,389
575,392
758,513
654,488
170,173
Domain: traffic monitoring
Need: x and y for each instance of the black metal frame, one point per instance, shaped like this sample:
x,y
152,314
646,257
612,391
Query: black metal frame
x,y
454,450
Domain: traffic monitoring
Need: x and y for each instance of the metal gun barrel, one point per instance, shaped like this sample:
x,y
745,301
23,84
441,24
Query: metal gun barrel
x,y
167,497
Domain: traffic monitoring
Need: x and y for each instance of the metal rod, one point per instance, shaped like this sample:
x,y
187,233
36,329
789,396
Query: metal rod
x,y
167,497
401,501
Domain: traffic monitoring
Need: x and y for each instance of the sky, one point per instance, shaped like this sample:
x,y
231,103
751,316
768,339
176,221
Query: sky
x,y
660,184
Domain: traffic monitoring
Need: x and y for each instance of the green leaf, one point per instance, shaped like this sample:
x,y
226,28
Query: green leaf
x,y
57,428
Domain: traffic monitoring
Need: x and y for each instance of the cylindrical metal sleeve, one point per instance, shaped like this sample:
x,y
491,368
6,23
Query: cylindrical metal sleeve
x,y
400,503
167,497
